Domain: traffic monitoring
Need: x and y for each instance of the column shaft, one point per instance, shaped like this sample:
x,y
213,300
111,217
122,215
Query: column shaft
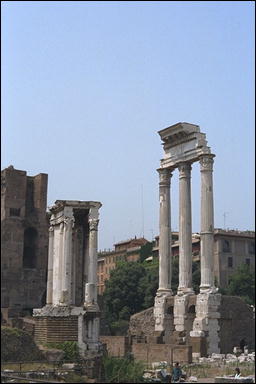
x,y
165,267
185,229
50,267
207,223
67,265
91,285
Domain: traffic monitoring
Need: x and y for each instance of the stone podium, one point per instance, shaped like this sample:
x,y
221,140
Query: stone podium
x,y
71,312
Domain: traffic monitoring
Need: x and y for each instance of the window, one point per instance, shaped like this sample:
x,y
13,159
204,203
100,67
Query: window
x,y
30,247
247,261
226,246
230,262
14,211
252,247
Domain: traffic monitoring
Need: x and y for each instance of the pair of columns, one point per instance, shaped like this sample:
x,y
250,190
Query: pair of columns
x,y
60,260
185,228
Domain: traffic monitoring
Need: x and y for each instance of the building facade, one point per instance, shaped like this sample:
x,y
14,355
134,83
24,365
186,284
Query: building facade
x,y
232,248
128,250
24,241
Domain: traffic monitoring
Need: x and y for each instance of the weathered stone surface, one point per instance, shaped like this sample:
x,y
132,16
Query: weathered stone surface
x,y
183,145
72,312
232,328
24,241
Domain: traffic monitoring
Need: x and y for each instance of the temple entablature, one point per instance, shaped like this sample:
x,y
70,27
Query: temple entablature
x,y
182,143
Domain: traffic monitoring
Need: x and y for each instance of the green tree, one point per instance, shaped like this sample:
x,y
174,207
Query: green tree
x,y
132,287
146,251
123,296
149,284
242,284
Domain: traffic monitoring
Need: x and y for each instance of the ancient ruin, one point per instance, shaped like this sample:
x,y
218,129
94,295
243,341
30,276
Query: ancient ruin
x,y
186,326
183,145
71,312
24,242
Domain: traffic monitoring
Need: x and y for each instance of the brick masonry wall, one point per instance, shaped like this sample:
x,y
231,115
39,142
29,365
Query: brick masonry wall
x,y
236,323
22,287
161,352
56,329
117,346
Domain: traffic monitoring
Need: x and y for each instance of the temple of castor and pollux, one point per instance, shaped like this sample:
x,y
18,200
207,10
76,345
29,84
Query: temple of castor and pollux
x,y
185,325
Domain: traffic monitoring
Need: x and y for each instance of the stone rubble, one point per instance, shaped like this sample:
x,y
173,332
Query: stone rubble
x,y
228,358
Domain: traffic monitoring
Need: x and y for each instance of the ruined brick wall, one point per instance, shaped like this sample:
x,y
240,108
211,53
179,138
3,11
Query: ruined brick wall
x,y
236,323
23,218
142,324
150,353
117,346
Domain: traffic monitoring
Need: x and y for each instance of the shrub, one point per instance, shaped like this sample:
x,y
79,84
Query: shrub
x,y
17,345
122,370
70,348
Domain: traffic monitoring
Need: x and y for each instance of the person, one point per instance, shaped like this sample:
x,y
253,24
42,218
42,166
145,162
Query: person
x,y
242,344
238,373
176,373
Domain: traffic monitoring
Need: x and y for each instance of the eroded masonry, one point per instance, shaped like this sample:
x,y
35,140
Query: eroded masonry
x,y
183,145
71,312
186,326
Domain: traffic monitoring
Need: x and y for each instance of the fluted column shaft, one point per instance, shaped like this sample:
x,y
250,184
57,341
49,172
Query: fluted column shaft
x,y
50,267
207,223
91,286
67,262
165,266
185,229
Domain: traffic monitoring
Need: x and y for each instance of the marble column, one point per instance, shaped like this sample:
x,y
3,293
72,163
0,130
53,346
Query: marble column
x,y
50,267
67,262
185,230
91,285
57,264
207,224
165,266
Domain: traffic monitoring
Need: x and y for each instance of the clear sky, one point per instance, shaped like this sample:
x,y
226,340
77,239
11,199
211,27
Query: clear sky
x,y
87,85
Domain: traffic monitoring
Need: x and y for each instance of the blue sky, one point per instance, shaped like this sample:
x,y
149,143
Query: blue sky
x,y
87,85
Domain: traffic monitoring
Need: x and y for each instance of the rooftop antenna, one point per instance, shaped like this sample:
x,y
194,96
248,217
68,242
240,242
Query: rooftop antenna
x,y
142,210
224,217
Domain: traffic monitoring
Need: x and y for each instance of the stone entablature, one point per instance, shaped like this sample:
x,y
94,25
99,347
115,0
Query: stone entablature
x,y
183,143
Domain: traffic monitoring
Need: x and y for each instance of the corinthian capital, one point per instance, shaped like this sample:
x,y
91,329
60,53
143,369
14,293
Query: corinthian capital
x,y
93,224
185,170
68,222
165,175
206,162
